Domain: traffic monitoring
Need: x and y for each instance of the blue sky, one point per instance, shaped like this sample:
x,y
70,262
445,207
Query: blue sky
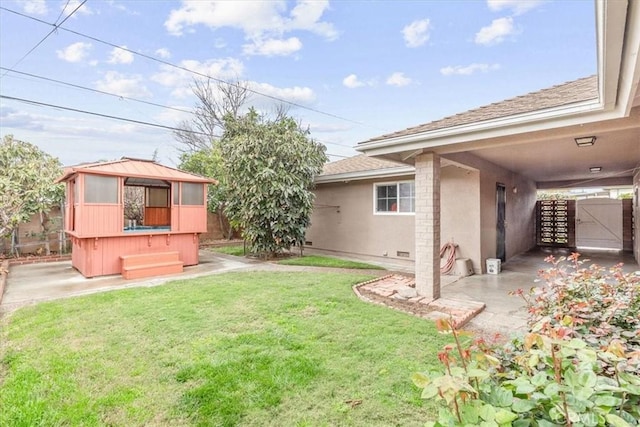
x,y
355,69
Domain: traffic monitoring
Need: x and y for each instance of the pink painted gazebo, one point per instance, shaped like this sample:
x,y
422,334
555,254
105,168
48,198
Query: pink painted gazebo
x,y
104,242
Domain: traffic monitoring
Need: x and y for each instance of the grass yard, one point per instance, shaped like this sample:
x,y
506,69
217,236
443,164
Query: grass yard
x,y
306,260
325,261
237,250
251,349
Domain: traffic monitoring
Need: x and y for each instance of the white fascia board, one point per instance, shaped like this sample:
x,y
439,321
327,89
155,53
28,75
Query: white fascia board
x,y
487,129
368,174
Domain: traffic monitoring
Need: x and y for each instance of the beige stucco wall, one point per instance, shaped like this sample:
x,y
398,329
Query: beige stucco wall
x,y
354,228
520,207
459,212
343,221
343,218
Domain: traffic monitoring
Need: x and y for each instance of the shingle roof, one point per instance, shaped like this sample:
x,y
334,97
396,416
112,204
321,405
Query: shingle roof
x,y
579,90
138,168
359,163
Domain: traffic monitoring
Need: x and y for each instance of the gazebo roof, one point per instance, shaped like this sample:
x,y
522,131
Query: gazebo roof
x,y
137,168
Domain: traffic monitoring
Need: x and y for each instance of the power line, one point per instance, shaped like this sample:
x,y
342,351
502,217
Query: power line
x,y
108,116
179,67
55,27
95,90
126,97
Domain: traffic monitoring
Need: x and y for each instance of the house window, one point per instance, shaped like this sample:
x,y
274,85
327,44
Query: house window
x,y
192,194
397,197
176,193
100,189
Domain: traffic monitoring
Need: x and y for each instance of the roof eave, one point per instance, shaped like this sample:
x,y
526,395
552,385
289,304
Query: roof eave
x,y
368,174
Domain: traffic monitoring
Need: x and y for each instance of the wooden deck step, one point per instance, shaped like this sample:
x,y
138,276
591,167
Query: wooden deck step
x,y
151,264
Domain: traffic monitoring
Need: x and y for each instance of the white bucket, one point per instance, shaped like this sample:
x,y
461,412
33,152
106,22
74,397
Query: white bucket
x,y
494,265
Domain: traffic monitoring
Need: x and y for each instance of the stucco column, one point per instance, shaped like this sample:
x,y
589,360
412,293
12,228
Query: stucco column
x,y
427,224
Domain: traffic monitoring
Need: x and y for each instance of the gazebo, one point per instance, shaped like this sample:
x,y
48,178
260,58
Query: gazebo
x,y
105,242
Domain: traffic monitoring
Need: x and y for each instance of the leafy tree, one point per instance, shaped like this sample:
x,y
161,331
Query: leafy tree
x,y
26,183
208,162
270,167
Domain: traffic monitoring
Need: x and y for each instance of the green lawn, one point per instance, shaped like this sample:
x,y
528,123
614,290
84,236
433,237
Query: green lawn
x,y
237,250
325,261
307,260
255,349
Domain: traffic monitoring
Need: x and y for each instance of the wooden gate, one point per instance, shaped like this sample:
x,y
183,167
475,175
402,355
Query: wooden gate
x,y
599,223
555,223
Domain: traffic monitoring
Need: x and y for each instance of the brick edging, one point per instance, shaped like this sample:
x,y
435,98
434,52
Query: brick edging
x,y
36,260
4,272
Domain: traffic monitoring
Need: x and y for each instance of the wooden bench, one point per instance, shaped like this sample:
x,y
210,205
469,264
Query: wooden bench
x,y
151,264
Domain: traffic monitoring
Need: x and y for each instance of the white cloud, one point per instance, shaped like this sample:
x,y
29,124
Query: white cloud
x,y
120,84
469,69
296,94
120,56
71,5
75,52
352,82
417,33
398,79
496,32
273,47
163,53
264,20
35,7
518,7
181,80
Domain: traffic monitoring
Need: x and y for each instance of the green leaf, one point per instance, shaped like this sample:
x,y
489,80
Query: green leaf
x,y
487,412
616,421
607,401
590,419
429,391
500,397
522,405
503,416
481,374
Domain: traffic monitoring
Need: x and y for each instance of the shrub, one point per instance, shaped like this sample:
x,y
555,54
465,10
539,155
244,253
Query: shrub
x,y
579,364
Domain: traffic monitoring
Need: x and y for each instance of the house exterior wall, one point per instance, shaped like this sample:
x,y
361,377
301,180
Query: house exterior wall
x,y
459,218
343,219
519,212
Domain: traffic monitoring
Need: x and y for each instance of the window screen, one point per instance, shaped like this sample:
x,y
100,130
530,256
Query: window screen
x,y
192,194
396,197
100,189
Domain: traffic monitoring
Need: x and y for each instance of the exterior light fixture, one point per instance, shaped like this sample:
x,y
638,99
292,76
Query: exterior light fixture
x,y
585,141
595,169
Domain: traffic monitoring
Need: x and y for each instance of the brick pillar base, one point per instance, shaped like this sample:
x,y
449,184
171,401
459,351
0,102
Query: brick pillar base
x,y
427,223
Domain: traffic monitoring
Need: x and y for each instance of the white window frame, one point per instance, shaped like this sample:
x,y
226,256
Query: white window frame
x,y
397,184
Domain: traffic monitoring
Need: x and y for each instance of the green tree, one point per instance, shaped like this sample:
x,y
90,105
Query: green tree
x,y
270,168
27,183
208,162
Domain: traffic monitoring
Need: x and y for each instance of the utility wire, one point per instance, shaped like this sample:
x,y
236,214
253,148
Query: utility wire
x,y
108,116
125,97
95,90
179,67
55,27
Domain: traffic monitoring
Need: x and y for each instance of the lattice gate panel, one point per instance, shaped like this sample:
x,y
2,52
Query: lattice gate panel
x,y
556,223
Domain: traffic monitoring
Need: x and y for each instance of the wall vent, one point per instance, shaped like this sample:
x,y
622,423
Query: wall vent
x,y
402,254
308,243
